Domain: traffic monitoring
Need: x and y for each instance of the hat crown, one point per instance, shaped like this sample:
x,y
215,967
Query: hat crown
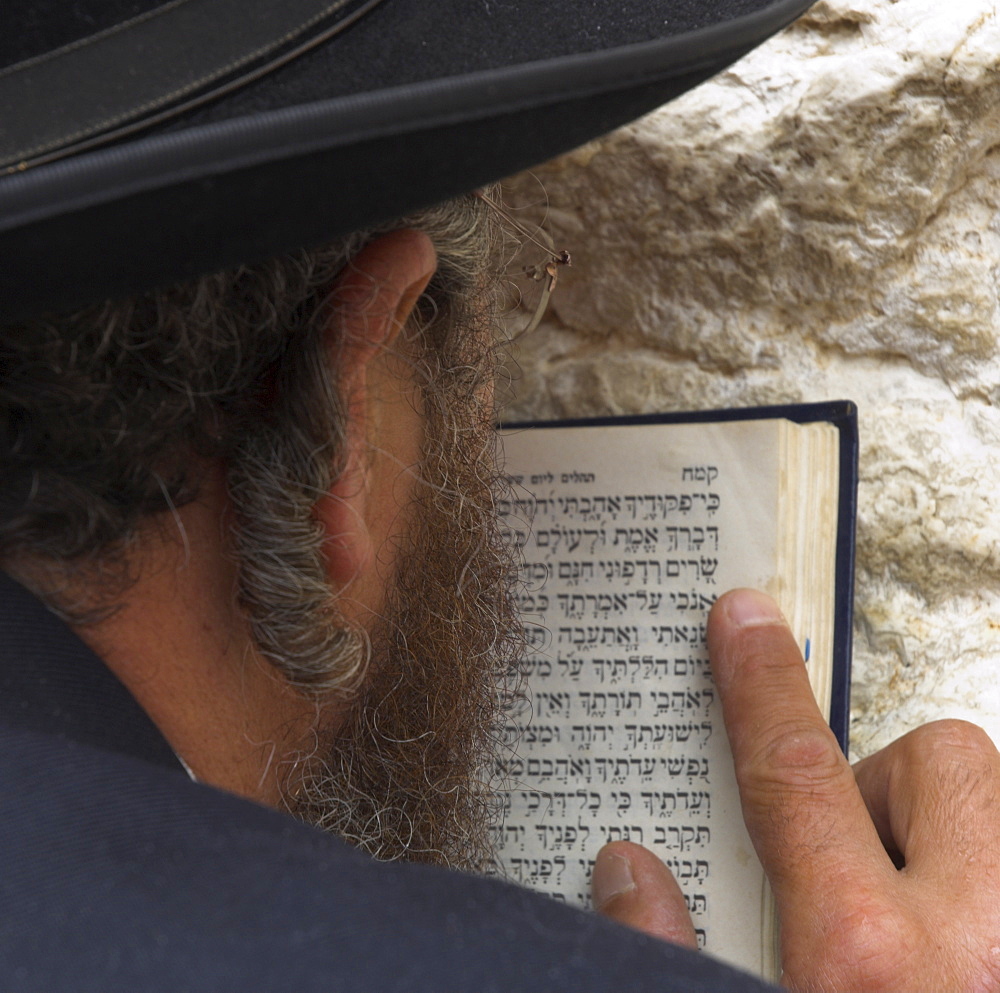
x,y
138,63
33,27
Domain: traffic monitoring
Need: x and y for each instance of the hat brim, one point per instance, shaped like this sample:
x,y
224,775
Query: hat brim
x,y
199,197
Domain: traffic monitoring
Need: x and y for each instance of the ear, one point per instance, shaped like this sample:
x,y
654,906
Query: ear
x,y
371,301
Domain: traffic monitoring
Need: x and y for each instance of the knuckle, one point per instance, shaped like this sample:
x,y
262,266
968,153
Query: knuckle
x,y
790,785
951,769
953,755
864,945
953,736
798,756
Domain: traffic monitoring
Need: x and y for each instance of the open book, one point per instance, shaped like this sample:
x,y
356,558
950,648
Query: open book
x,y
630,529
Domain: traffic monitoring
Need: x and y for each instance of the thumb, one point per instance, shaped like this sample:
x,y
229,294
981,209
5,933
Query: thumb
x,y
632,886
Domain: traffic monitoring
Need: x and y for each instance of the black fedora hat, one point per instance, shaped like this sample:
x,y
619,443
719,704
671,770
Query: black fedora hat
x,y
143,141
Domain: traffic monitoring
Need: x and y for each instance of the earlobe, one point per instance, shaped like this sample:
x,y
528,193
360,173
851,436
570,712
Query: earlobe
x,y
371,301
348,549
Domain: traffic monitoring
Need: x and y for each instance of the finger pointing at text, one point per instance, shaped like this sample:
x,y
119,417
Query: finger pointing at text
x,y
851,920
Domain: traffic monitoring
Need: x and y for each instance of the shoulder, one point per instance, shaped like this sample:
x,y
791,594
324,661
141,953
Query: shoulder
x,y
126,875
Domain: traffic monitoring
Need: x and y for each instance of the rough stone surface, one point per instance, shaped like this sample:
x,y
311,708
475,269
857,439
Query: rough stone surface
x,y
821,221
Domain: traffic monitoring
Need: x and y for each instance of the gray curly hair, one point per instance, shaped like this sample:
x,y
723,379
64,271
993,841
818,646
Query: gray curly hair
x,y
103,410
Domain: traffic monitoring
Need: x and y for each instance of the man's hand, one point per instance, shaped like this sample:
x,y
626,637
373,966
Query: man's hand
x,y
886,877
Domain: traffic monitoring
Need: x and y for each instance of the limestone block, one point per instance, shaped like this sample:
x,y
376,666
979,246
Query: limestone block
x,y
821,221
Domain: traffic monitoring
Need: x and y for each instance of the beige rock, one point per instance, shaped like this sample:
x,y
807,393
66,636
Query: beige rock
x,y
821,221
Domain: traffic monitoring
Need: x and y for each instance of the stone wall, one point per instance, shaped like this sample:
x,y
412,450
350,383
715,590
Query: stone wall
x,y
821,221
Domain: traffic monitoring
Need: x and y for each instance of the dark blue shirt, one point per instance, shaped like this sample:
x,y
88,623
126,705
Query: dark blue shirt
x,y
118,872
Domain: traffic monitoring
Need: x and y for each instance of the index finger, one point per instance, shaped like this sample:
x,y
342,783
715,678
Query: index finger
x,y
801,804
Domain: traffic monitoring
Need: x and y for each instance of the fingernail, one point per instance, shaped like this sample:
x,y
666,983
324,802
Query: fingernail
x,y
612,877
751,608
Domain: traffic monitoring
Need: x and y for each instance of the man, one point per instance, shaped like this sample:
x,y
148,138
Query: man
x,y
260,502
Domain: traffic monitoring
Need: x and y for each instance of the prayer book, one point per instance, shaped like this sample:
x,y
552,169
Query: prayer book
x,y
629,529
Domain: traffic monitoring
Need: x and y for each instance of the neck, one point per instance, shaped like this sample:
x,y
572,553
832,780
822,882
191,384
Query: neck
x,y
181,645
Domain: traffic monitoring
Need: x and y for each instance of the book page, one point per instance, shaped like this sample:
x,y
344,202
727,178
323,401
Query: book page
x,y
629,534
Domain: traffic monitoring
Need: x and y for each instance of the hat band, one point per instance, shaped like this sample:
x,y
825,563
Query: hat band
x,y
146,70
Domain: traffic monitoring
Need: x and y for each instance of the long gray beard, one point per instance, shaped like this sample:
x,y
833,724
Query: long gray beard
x,y
409,776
